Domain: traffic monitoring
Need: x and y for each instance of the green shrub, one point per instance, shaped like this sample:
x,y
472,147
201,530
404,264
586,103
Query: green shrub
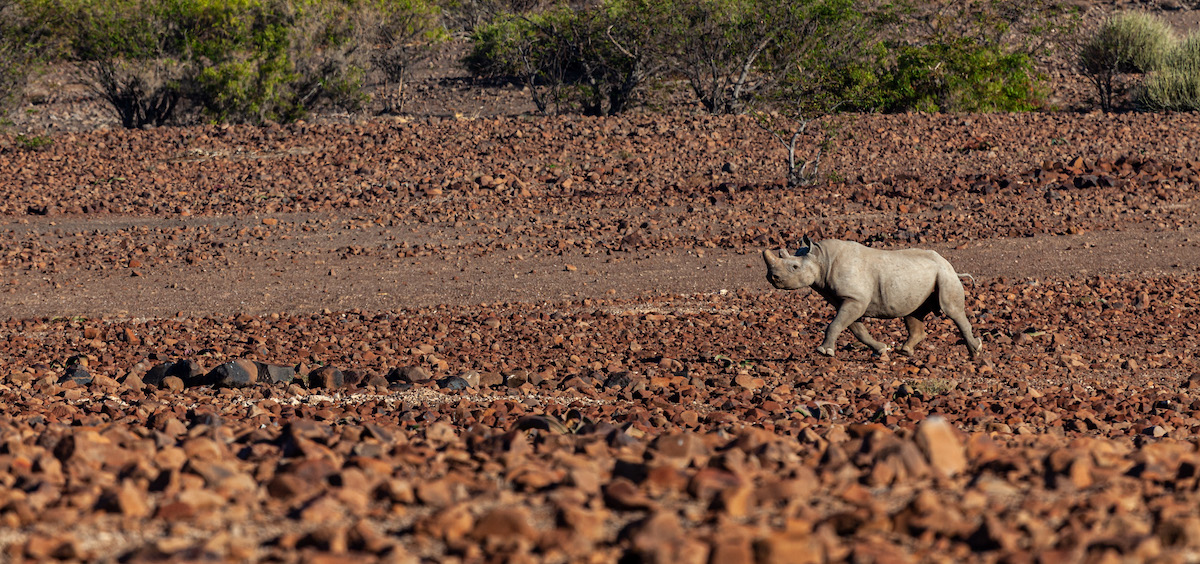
x,y
276,59
972,56
127,51
733,51
961,76
1129,42
592,60
407,32
1184,55
233,60
519,46
934,56
1170,89
21,46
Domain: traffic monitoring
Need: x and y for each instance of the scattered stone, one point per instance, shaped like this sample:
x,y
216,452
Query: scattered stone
x,y
327,377
272,374
453,383
234,374
471,377
408,374
939,442
77,374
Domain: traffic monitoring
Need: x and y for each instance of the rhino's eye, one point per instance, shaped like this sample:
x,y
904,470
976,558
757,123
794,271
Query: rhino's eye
x,y
794,267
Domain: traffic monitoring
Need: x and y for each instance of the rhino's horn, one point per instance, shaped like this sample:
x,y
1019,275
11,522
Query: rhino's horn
x,y
769,257
783,253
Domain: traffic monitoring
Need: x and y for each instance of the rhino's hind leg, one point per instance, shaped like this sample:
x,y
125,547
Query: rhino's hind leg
x,y
916,332
952,299
974,346
860,332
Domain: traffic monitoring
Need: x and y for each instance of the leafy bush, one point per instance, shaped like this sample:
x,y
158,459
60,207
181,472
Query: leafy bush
x,y
1175,86
1170,89
591,60
407,32
1184,55
1128,42
519,46
234,60
960,75
276,59
967,57
127,51
20,49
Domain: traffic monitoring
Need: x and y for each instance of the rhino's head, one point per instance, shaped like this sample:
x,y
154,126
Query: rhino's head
x,y
788,272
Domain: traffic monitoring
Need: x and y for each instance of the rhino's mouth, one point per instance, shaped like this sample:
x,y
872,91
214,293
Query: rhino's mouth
x,y
781,283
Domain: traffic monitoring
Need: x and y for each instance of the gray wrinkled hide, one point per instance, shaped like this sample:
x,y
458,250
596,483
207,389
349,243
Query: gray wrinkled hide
x,y
863,282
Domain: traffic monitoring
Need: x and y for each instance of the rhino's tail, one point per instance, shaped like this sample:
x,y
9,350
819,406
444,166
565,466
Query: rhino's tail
x,y
967,276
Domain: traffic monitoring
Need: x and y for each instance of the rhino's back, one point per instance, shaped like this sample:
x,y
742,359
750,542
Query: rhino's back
x,y
882,260
914,256
892,283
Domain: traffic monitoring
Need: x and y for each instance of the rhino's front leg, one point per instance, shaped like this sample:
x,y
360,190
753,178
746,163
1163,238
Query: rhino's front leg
x,y
848,313
860,332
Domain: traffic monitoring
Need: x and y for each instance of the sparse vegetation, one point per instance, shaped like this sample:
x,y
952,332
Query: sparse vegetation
x,y
20,48
407,32
790,133
1176,85
33,142
800,57
1128,42
1170,89
732,51
588,60
245,61
932,387
161,61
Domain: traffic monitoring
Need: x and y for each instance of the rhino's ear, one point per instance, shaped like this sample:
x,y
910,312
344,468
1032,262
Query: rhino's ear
x,y
806,242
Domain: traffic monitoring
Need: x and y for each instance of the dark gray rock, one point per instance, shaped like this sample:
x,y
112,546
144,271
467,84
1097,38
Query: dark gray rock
x,y
183,369
77,374
453,383
272,374
234,374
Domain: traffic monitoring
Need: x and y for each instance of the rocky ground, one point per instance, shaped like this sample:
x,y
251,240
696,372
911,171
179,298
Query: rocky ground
x,y
471,339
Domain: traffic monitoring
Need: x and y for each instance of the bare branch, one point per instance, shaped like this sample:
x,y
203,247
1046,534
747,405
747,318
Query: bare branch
x,y
617,44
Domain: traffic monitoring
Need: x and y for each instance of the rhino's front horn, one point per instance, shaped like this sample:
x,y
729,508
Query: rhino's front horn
x,y
769,258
